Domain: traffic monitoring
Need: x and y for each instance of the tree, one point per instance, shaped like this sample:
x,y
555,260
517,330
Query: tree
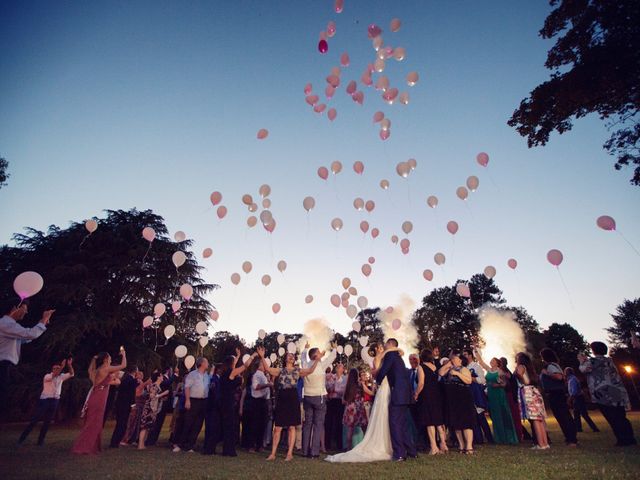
x,y
595,66
566,341
626,323
4,165
101,290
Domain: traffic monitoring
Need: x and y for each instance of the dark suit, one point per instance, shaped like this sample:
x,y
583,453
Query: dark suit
x,y
125,398
394,370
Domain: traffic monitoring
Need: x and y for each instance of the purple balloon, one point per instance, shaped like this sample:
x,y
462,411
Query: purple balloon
x,y
323,46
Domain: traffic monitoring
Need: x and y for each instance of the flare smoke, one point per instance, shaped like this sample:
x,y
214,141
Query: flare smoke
x,y
407,335
502,335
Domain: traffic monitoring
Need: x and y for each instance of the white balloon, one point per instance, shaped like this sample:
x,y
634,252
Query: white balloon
x,y
291,348
180,236
281,339
189,362
363,341
169,331
273,357
203,341
356,326
175,306
159,310
281,351
340,349
186,291
267,361
147,321
348,350
201,328
261,334
363,302
352,311
180,351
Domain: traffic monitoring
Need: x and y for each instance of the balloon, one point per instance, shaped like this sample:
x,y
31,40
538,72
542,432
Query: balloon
x,y
353,291
331,114
452,227
247,267
404,98
280,338
282,266
281,351
348,350
606,222
336,167
366,269
147,321
472,183
175,306
335,300
333,80
374,30
412,79
235,278
335,71
308,203
462,193
463,290
307,89
338,6
149,234
336,224
323,173
291,348
253,207
403,169
379,65
372,260
363,302
201,328
221,212
407,227
395,25
273,357
169,331
555,257
394,239
311,99
207,252
375,232
369,206
159,309
247,199
323,46
264,190
358,97
266,280
382,84
483,159
390,95
405,251
358,204
399,53
346,283
329,91
377,117
432,201
396,324
439,258
180,351
261,334
252,221
178,258
331,29
216,198
91,225
405,244
384,184
266,217
275,308
308,299
428,275
214,315
270,226
27,284
490,272
203,341
352,311
189,362
345,303
319,108
263,133
384,134
186,291
352,87
358,167
513,263
363,341
364,226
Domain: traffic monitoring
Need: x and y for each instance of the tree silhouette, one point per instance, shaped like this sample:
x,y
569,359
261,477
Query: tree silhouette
x,y
626,322
566,341
4,166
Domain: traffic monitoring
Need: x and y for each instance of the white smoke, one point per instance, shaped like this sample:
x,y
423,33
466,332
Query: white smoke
x,y
502,335
317,333
407,334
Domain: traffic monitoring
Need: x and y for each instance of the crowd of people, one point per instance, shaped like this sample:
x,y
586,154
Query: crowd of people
x,y
323,407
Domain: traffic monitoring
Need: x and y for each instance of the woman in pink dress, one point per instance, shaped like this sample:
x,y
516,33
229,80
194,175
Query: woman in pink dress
x,y
100,373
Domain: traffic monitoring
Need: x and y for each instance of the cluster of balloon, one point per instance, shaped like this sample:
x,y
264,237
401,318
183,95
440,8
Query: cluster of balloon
x,y
404,169
216,198
27,284
607,223
91,226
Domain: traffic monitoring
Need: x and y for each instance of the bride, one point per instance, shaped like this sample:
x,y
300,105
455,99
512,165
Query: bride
x,y
376,444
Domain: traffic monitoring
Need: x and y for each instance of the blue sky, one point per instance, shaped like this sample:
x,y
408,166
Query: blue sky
x,y
107,105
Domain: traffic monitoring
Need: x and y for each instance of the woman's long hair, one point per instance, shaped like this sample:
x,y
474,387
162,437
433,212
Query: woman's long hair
x,y
525,360
352,386
96,363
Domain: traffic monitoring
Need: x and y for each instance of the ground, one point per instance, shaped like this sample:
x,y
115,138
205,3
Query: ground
x,y
595,458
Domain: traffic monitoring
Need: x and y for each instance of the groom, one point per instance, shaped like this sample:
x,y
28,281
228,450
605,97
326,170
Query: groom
x,y
394,370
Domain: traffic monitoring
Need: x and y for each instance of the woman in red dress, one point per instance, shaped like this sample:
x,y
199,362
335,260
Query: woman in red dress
x,y
100,373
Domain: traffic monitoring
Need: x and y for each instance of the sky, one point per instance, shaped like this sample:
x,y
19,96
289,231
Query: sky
x,y
154,105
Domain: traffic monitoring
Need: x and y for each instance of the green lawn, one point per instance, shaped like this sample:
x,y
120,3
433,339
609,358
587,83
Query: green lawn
x,y
595,458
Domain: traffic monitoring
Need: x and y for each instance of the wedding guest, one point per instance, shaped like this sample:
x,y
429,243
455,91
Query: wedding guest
x,y
530,400
354,412
177,419
369,390
49,398
482,431
196,391
552,382
287,413
244,411
429,403
577,401
511,392
133,423
164,406
461,411
153,395
260,396
212,419
608,392
125,398
336,384
100,374
503,428
315,403
418,434
436,357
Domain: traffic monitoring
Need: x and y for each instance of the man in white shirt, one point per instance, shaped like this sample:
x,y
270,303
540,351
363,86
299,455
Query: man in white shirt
x,y
49,398
196,392
482,431
315,400
260,395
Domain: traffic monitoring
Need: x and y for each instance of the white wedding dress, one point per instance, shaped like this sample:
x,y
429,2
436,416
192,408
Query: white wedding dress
x,y
376,444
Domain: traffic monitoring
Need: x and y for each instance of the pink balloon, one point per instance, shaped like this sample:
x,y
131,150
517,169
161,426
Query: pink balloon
x,y
452,227
432,201
394,239
307,89
374,30
366,79
405,244
396,324
338,6
270,226
323,173
390,95
358,204
344,59
335,300
366,269
351,87
462,193
412,79
428,275
329,91
372,260
405,251
463,290
483,159
389,310
331,114
513,263
323,46
358,167
333,80
382,83
319,108
331,28
384,134
263,133
27,284
216,198
395,25
252,221
214,315
377,117
207,252
555,257
404,98
358,97
375,232
472,183
606,222
275,308
439,258
335,71
149,234
364,226
221,212
369,206
312,99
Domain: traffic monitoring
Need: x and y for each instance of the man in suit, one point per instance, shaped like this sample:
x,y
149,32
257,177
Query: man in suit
x,y
126,397
394,370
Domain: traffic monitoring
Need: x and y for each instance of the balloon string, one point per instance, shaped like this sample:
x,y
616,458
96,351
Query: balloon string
x,y
453,247
628,243
146,253
444,275
466,204
84,240
565,288
492,180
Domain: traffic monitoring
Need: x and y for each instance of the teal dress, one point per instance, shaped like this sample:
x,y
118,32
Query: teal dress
x,y
503,428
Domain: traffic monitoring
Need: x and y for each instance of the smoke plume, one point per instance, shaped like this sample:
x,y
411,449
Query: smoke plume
x,y
501,334
406,334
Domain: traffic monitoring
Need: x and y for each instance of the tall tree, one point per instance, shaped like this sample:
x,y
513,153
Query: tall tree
x,y
595,66
626,322
4,166
566,341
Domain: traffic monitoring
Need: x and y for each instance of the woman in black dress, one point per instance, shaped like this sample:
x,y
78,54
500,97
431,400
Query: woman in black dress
x,y
429,401
287,410
461,411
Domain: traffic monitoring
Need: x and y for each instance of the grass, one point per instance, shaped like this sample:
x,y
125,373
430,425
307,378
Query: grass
x,y
595,458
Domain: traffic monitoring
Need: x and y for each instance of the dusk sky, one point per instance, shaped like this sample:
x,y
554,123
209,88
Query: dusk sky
x,y
156,104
